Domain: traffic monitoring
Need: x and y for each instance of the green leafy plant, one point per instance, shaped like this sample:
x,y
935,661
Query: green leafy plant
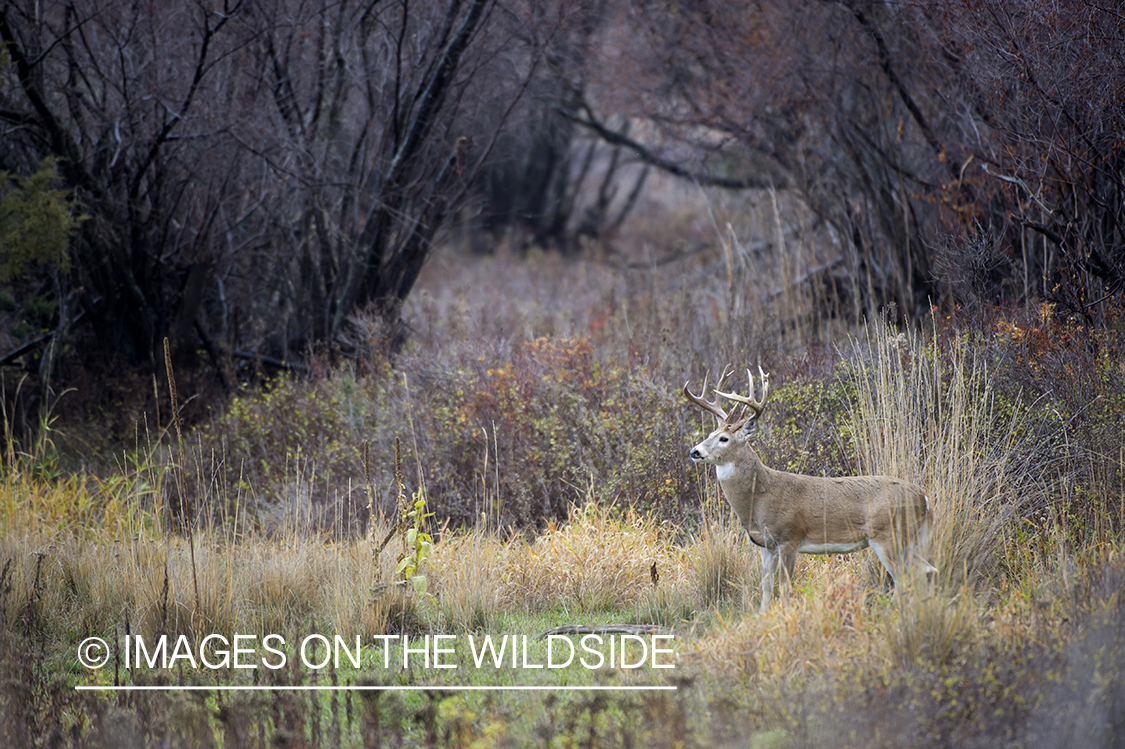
x,y
418,545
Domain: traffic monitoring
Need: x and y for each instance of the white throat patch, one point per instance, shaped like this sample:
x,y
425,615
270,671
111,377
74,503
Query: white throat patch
x,y
724,471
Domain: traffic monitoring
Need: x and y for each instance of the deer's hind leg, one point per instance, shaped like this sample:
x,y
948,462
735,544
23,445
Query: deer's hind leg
x,y
903,562
920,549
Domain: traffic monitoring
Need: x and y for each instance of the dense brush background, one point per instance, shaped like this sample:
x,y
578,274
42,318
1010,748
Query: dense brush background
x,y
249,331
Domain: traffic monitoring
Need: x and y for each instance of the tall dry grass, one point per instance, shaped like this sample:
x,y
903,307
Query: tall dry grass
x,y
926,412
598,561
469,571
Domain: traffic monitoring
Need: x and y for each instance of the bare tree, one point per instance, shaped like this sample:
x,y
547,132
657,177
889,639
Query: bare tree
x,y
1043,136
93,86
255,172
542,170
901,125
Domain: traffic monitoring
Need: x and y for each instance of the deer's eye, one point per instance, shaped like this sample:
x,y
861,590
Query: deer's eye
x,y
724,439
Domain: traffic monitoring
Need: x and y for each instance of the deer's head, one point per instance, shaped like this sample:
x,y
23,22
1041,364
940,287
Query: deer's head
x,y
734,427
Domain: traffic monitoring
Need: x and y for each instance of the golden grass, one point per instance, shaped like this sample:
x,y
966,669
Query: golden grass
x,y
468,572
274,583
800,636
725,566
831,618
929,417
593,562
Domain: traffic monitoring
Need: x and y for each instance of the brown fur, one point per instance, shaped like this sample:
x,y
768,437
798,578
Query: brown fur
x,y
783,512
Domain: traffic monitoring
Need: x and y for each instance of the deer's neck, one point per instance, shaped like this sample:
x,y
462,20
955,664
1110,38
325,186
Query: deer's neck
x,y
744,481
742,478
725,471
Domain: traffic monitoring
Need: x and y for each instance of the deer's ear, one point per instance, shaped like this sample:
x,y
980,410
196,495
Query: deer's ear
x,y
750,428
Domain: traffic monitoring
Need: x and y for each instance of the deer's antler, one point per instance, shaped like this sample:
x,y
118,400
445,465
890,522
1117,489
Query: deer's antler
x,y
748,400
710,406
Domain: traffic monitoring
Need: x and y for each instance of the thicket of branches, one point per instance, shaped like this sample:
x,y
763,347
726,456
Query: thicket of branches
x,y
256,172
962,152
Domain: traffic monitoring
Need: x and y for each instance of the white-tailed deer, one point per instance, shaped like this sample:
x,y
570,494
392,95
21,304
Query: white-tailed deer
x,y
786,513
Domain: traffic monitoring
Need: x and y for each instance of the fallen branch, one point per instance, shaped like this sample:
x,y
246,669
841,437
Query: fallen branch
x,y
16,353
609,629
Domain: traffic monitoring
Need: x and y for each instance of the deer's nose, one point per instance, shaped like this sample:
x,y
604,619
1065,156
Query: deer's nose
x,y
695,454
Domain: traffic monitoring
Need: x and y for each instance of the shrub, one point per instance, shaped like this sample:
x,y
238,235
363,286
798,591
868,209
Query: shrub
x,y
515,434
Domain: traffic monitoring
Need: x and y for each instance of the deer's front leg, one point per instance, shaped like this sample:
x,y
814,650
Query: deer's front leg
x,y
788,555
770,558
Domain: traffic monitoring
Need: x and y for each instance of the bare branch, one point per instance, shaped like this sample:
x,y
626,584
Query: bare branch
x,y
671,167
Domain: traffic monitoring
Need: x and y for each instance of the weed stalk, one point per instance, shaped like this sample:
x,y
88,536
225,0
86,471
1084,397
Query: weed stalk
x,y
185,505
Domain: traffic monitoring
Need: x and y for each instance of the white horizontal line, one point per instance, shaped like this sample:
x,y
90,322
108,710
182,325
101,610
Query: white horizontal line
x,y
329,688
